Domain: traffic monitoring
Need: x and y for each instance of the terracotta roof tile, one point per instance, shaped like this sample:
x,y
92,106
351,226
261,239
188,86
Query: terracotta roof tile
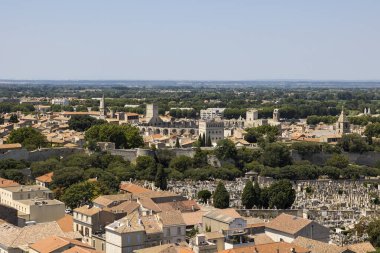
x,y
54,243
7,183
276,247
78,249
11,146
363,247
288,223
106,200
86,210
66,223
171,218
193,218
317,246
133,188
46,178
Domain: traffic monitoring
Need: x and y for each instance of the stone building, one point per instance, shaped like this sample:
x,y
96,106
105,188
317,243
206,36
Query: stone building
x,y
213,130
287,227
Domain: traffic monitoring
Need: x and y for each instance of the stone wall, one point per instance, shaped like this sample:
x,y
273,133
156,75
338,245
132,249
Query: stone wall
x,y
39,154
368,158
132,154
268,213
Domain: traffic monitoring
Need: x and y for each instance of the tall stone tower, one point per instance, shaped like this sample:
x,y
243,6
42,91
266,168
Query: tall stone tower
x,y
151,111
276,115
102,109
342,125
252,114
151,114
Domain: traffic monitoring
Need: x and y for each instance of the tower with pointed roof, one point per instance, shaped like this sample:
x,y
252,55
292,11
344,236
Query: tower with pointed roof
x,y
342,125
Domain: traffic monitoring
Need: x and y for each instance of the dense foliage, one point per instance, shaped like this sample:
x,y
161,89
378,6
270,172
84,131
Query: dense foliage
x,y
29,138
83,122
124,136
221,197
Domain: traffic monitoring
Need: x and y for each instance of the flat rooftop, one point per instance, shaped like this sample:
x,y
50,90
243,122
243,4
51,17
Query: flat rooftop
x,y
26,188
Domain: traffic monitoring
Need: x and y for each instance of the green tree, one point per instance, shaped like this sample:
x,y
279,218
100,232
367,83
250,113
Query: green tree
x,y
204,195
338,161
164,156
177,145
7,164
208,142
373,232
1,120
221,198
200,143
81,108
225,150
42,167
108,182
181,163
331,172
15,175
29,138
264,197
67,176
248,195
353,143
161,179
281,194
80,194
83,122
262,133
200,158
372,130
146,168
125,136
256,194
276,155
306,148
13,118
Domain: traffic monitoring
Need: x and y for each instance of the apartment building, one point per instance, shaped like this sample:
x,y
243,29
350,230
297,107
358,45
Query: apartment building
x,y
90,220
135,232
33,203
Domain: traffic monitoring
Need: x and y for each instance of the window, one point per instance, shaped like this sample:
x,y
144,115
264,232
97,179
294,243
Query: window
x,y
87,232
179,230
93,243
102,246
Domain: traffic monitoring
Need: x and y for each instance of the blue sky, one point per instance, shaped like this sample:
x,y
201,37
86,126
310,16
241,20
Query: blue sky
x,y
190,39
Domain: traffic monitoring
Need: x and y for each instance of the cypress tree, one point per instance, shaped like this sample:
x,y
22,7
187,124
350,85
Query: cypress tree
x,y
177,143
203,140
257,195
248,195
200,140
161,181
221,196
208,143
